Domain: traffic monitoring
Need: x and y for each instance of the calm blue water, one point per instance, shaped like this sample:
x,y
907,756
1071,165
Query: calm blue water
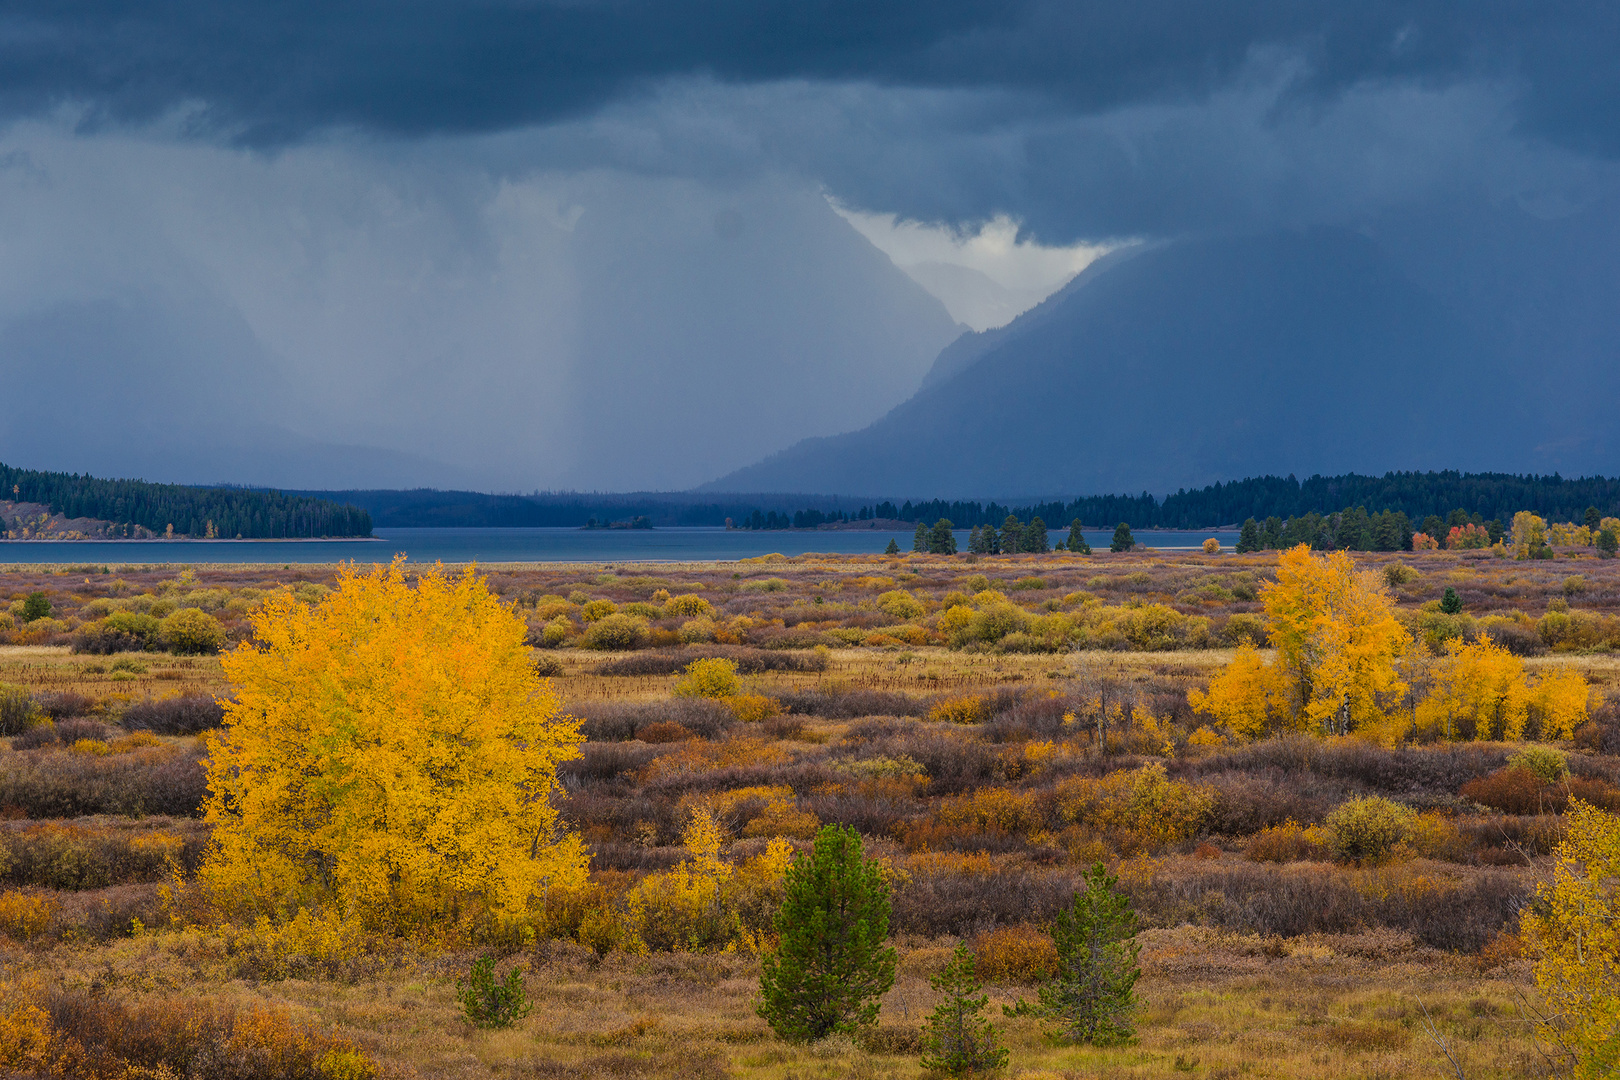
x,y
518,545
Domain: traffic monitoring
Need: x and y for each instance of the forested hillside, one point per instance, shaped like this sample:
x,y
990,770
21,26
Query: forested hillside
x,y
139,509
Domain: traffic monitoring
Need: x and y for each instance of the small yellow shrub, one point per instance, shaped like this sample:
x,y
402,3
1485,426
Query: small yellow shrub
x,y
1139,810
687,605
1369,829
94,747
25,1035
900,603
615,632
1212,546
1015,954
598,609
752,708
968,709
992,809
26,917
696,631
715,677
1288,842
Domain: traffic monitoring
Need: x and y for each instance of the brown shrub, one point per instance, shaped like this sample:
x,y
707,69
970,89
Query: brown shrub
x,y
620,721
94,855
184,715
849,704
60,784
1015,954
663,731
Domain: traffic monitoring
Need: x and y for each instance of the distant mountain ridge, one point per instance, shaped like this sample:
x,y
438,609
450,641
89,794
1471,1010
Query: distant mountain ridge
x,y
1183,364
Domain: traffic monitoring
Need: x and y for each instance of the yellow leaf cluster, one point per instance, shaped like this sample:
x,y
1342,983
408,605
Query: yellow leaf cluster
x,y
1249,696
1573,931
1478,685
390,752
1337,638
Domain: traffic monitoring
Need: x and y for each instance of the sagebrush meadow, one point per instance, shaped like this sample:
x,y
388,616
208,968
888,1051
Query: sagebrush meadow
x,y
311,821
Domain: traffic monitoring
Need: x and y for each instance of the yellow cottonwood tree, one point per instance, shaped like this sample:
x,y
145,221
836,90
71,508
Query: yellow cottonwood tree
x,y
1573,932
390,753
1337,641
1559,700
1248,695
1476,685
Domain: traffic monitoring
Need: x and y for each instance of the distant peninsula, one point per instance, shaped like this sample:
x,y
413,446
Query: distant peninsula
x,y
37,505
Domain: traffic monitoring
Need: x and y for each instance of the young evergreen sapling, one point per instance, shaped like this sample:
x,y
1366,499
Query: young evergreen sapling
x,y
832,966
958,1040
1093,993
1123,540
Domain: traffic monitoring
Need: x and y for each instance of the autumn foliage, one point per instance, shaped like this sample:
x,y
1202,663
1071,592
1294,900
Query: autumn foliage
x,y
391,754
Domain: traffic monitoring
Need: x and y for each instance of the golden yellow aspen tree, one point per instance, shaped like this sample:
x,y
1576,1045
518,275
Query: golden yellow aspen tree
x,y
1478,686
1337,642
1529,534
1572,931
1559,701
1247,695
390,753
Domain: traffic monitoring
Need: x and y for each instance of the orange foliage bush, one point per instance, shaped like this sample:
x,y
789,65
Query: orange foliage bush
x,y
1288,842
701,757
968,709
24,916
99,1038
1015,954
752,708
992,809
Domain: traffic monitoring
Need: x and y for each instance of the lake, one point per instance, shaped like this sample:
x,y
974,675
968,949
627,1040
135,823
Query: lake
x,y
523,545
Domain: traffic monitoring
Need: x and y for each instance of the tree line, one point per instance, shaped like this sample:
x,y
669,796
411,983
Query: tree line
x,y
1480,497
139,509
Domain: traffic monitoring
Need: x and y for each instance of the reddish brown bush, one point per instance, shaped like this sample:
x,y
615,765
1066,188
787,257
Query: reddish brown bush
x,y
1517,791
664,731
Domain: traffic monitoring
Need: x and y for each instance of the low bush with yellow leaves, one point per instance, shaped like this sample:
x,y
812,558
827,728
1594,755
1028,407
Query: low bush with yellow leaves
x,y
965,709
1137,810
95,1037
1015,954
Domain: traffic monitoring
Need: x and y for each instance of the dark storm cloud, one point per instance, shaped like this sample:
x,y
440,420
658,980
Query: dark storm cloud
x,y
272,72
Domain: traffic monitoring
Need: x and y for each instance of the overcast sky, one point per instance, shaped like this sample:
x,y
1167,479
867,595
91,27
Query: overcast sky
x,y
623,245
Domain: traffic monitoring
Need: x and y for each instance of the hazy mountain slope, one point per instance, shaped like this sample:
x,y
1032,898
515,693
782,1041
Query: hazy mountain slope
x,y
1184,364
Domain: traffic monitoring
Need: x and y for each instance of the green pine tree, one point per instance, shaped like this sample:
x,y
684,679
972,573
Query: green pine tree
x,y
893,548
975,541
1123,540
1593,517
1607,542
1451,603
991,540
1249,538
941,540
1077,542
1093,994
1012,536
958,1040
919,539
831,967
1035,537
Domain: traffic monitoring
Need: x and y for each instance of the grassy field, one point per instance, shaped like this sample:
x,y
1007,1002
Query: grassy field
x,y
1262,955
